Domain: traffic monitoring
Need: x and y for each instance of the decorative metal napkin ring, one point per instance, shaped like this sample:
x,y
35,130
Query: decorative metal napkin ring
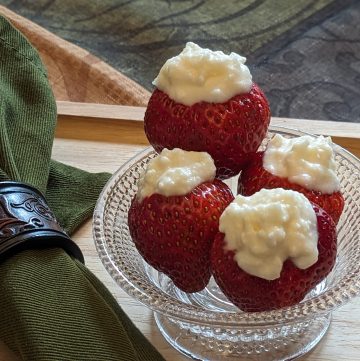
x,y
26,222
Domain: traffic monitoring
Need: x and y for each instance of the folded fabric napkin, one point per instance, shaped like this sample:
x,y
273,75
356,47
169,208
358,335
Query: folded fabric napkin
x,y
51,306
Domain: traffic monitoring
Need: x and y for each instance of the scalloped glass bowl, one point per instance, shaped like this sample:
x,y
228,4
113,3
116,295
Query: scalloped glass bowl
x,y
205,325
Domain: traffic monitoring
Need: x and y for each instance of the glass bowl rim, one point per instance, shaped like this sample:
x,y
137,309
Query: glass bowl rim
x,y
163,303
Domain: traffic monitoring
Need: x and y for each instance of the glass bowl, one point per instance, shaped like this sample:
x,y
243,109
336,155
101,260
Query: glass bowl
x,y
205,325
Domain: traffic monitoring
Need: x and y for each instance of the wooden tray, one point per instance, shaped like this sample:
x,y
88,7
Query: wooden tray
x,y
101,138
106,116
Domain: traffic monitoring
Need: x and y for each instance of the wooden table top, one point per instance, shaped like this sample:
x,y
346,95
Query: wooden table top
x,y
98,145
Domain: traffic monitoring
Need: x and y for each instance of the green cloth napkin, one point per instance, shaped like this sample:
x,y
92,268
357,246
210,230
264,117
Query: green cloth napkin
x,y
51,306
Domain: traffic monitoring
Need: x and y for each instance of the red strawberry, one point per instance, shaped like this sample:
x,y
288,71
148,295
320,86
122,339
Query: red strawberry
x,y
251,293
227,131
174,234
254,177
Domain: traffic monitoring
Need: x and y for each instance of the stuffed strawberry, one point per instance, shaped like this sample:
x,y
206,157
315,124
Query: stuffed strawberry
x,y
273,248
304,164
206,101
174,217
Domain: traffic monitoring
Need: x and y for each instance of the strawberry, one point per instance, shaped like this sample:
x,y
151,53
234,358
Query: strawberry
x,y
252,294
254,177
174,234
227,131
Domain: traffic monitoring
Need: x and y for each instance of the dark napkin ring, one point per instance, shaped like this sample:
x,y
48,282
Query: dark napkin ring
x,y
26,222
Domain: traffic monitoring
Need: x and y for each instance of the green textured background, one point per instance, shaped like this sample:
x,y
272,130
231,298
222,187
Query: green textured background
x,y
308,80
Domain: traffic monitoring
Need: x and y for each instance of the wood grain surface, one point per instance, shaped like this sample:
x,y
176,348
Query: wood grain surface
x,y
104,144
97,144
346,135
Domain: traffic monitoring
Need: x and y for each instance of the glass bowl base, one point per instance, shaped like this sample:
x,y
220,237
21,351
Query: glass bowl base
x,y
282,343
205,325
278,342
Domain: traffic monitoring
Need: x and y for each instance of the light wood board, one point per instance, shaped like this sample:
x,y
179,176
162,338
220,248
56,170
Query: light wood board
x,y
104,143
